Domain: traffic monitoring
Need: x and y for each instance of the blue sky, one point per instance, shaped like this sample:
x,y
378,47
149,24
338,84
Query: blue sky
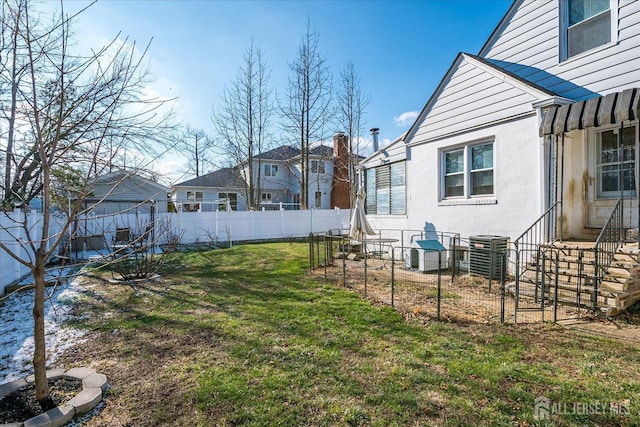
x,y
401,49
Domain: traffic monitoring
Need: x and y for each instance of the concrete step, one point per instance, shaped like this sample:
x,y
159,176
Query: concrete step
x,y
619,289
608,300
571,280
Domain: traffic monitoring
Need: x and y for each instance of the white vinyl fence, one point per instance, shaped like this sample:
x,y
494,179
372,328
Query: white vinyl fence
x,y
13,232
192,227
234,226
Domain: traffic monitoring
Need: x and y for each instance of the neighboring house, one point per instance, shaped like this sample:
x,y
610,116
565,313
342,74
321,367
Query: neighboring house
x,y
546,112
279,181
210,192
123,192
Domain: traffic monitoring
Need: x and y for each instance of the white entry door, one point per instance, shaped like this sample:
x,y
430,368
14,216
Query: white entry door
x,y
613,170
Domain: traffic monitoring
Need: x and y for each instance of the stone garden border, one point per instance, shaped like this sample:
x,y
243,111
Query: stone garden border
x,y
93,385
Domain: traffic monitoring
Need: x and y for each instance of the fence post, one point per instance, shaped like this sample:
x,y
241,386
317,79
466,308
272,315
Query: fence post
x,y
326,250
344,261
393,282
317,240
543,290
364,250
439,295
596,275
579,285
503,271
330,248
310,251
555,292
229,226
516,296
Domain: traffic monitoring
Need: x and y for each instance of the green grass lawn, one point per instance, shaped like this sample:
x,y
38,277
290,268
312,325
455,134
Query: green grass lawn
x,y
243,336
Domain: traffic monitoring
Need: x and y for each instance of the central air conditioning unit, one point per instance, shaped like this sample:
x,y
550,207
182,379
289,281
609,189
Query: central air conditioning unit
x,y
486,255
424,254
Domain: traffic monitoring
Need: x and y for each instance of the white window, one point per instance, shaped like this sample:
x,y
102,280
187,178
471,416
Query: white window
x,y
615,162
193,199
587,25
454,173
270,170
386,189
266,197
317,166
194,196
468,171
233,201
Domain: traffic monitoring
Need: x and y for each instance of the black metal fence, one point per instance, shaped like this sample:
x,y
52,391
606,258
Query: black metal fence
x,y
442,284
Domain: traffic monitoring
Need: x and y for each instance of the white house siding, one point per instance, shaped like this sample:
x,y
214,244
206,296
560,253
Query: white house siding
x,y
517,201
209,194
518,154
317,182
528,45
471,97
529,38
393,152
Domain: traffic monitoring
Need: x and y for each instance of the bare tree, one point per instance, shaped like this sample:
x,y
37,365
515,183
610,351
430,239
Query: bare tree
x,y
13,68
307,107
196,144
243,120
73,115
351,106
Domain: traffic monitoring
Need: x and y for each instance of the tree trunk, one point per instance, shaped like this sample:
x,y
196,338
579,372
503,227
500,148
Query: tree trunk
x,y
43,394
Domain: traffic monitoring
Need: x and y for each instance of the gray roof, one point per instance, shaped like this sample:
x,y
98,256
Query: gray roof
x,y
288,152
223,178
116,177
321,150
230,177
284,152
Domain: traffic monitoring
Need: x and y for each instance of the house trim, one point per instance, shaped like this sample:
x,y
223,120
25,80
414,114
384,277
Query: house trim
x,y
463,202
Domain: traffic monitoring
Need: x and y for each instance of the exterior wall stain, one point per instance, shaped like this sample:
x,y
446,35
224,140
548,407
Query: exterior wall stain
x,y
564,226
571,192
585,198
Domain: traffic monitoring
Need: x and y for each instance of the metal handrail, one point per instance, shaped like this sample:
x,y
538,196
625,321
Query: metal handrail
x,y
542,231
610,239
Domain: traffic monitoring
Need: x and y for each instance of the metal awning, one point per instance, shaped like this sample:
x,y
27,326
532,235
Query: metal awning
x,y
602,110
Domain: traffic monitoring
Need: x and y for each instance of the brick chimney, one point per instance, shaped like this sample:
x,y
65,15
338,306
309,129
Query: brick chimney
x,y
340,188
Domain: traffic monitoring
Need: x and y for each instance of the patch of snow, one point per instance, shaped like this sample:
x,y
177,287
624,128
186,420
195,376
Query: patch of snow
x,y
16,326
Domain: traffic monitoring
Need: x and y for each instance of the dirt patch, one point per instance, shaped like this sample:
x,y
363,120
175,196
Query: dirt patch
x,y
467,299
